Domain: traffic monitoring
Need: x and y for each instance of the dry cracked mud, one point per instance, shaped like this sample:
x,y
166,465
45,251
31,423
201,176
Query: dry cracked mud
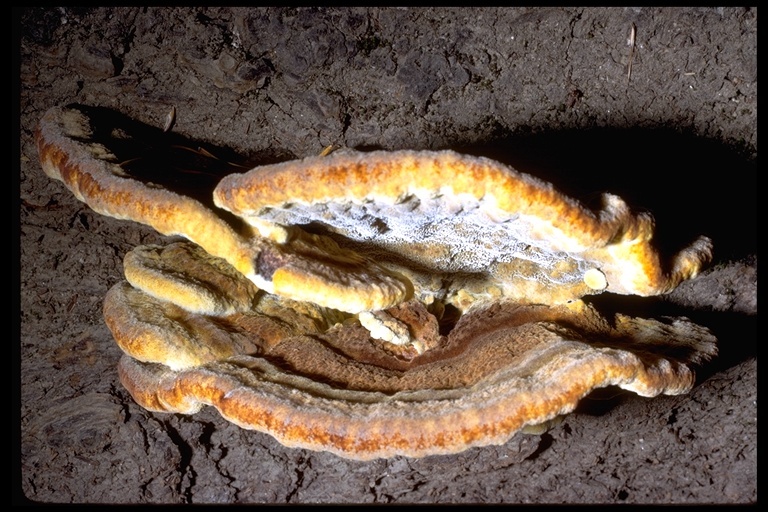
x,y
546,90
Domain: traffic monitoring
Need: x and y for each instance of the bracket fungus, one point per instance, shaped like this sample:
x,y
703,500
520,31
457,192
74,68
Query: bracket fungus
x,y
375,304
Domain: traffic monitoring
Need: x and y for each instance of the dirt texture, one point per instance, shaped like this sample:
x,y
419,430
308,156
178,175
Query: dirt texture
x,y
546,90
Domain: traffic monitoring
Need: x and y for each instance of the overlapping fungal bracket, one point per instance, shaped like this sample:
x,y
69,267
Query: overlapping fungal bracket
x,y
473,222
470,272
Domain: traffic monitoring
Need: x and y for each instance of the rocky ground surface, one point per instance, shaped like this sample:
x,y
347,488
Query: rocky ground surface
x,y
544,89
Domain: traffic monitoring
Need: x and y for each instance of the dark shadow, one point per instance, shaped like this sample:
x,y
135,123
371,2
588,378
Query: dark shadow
x,y
602,401
736,332
177,163
693,186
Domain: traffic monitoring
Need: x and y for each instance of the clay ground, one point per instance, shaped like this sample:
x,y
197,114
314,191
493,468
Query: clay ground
x,y
546,90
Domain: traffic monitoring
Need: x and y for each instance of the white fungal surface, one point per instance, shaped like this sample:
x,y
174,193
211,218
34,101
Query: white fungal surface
x,y
444,233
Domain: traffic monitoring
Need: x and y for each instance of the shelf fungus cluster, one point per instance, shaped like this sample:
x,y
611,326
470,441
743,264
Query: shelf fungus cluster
x,y
372,304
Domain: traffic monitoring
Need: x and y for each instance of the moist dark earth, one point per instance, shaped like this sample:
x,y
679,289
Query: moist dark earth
x,y
546,90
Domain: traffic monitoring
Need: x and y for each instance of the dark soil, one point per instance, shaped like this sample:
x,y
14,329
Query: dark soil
x,y
544,89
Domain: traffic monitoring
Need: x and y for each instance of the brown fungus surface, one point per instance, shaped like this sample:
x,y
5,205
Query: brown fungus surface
x,y
502,368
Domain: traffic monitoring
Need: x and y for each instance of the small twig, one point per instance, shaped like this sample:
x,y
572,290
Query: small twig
x,y
71,303
631,42
170,119
50,205
328,150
